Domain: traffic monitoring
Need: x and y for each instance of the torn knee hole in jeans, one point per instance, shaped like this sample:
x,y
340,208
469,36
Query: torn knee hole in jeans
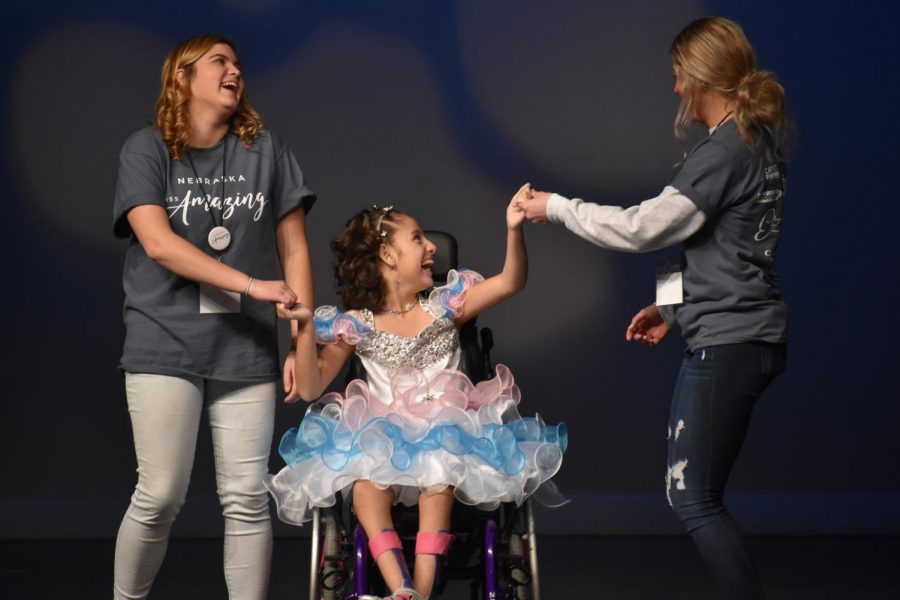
x,y
679,427
675,473
675,478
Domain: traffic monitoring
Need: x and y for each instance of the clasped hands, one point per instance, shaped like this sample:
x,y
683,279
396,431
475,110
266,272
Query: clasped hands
x,y
647,326
533,203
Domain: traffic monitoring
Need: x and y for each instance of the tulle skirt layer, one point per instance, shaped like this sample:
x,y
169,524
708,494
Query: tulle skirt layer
x,y
433,433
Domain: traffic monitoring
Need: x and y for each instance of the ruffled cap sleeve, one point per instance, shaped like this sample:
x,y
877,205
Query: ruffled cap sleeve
x,y
447,301
334,326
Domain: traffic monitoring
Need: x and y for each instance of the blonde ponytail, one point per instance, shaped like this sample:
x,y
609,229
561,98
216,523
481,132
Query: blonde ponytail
x,y
759,105
713,53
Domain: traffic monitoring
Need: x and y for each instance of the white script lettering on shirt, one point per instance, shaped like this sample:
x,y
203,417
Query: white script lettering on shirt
x,y
769,224
226,207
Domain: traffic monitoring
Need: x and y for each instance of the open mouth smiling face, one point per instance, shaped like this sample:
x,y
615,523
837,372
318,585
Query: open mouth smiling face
x,y
233,86
415,251
216,80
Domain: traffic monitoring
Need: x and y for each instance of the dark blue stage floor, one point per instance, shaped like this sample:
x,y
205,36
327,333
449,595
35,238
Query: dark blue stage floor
x,y
608,568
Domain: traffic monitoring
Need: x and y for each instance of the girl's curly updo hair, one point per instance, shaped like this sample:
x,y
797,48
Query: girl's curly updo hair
x,y
356,257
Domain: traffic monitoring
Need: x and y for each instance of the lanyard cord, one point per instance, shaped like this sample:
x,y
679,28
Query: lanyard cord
x,y
209,209
714,129
212,215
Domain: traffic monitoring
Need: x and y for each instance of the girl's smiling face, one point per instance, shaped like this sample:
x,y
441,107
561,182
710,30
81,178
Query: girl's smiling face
x,y
410,256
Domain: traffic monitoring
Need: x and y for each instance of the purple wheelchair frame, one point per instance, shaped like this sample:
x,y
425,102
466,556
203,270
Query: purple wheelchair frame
x,y
361,562
491,547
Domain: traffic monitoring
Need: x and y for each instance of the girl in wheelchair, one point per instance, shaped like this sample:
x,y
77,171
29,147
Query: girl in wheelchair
x,y
417,430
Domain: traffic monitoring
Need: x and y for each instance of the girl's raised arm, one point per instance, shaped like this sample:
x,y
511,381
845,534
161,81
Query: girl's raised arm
x,y
512,278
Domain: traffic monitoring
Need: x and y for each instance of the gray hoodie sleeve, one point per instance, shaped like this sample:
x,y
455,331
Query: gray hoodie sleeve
x,y
667,312
656,223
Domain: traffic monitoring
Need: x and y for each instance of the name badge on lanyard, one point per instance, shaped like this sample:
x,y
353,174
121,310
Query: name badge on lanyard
x,y
669,286
217,301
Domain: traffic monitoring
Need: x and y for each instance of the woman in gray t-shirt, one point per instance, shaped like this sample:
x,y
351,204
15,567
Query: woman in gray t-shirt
x,y
725,206
214,209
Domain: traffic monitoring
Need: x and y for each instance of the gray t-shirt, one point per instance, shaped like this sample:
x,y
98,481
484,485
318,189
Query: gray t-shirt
x,y
731,290
164,330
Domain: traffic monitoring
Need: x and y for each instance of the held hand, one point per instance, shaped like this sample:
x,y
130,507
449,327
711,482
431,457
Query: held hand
x,y
647,326
272,291
515,216
536,207
297,312
290,385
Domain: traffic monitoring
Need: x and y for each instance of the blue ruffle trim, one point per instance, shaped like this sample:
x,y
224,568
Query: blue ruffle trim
x,y
497,445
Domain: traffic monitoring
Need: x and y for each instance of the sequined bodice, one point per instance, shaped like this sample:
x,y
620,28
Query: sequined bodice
x,y
434,344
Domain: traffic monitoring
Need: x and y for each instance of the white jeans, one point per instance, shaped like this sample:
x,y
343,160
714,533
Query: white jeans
x,y
165,416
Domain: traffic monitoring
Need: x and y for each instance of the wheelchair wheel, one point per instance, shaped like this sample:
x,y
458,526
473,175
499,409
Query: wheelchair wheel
x,y
519,578
328,572
531,544
331,566
520,568
315,542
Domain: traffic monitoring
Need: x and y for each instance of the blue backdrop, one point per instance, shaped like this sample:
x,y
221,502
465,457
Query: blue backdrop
x,y
443,109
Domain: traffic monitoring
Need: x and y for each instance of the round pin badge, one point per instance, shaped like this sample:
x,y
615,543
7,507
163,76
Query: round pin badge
x,y
219,238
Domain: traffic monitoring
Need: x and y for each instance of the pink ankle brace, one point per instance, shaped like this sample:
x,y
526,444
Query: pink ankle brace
x,y
433,542
384,541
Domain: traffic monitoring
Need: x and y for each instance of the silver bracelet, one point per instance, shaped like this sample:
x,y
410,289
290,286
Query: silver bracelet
x,y
249,283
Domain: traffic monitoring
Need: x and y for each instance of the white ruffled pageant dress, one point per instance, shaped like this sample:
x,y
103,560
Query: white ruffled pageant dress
x,y
416,423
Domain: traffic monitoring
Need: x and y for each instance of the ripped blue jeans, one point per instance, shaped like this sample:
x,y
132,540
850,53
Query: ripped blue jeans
x,y
714,397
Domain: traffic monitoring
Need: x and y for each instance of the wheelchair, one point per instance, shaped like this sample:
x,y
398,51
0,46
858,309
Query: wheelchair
x,y
496,551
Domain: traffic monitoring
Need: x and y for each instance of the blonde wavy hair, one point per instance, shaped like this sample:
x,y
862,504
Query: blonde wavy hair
x,y
713,53
172,117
